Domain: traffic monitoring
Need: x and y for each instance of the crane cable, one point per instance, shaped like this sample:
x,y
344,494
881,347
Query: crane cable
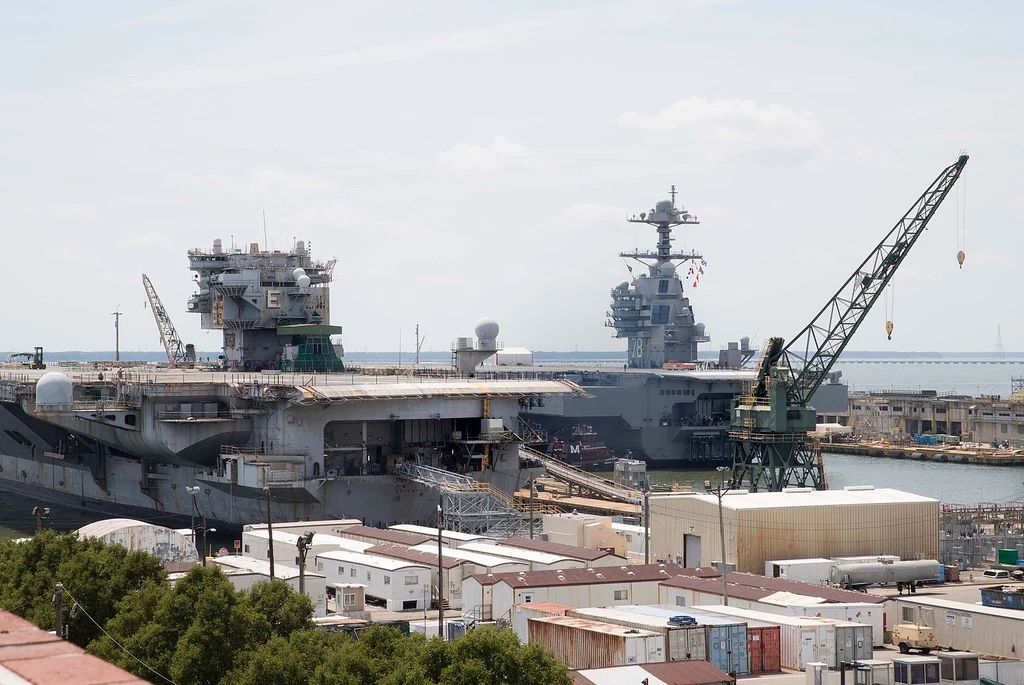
x,y
889,299
961,222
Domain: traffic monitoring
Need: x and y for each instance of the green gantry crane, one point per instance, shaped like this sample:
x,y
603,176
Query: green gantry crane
x,y
772,418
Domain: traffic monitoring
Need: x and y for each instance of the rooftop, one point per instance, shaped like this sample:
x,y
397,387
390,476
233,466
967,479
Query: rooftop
x,y
1016,614
485,559
372,560
851,495
396,536
445,534
319,539
556,548
261,567
595,626
30,655
390,549
518,553
667,673
758,617
588,576
829,594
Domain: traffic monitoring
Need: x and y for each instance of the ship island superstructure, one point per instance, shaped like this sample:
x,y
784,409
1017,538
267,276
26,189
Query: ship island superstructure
x,y
275,420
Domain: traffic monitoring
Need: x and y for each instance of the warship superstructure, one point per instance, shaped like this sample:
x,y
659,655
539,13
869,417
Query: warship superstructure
x,y
274,423
665,405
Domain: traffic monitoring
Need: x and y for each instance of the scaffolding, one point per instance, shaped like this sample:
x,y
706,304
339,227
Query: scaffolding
x,y
471,506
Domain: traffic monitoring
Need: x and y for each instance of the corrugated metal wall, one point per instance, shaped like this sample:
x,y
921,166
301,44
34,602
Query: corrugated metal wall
x,y
753,536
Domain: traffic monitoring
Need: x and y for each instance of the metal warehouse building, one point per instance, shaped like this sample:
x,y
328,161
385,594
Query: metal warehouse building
x,y
794,524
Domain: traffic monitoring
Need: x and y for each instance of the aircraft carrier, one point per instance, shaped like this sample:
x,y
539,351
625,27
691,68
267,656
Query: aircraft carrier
x,y
665,405
275,424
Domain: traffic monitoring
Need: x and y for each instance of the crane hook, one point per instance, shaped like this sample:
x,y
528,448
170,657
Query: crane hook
x,y
960,258
888,329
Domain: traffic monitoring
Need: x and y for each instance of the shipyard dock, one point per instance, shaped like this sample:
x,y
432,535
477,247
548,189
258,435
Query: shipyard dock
x,y
915,452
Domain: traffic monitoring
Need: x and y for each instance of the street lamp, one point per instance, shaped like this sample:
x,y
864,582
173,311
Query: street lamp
x,y
718,492
193,490
304,542
41,514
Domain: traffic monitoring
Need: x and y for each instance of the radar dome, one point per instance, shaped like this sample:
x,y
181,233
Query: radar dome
x,y
700,329
54,391
668,268
302,281
487,329
298,273
663,205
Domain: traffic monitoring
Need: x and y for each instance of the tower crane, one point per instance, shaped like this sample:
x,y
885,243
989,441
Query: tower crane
x,y
178,354
771,420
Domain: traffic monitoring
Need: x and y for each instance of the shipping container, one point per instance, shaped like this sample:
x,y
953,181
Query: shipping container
x,y
682,643
589,644
725,638
522,612
869,614
853,641
813,571
802,640
764,649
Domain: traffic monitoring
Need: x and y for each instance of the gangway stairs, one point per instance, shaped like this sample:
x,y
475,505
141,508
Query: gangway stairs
x,y
584,481
471,506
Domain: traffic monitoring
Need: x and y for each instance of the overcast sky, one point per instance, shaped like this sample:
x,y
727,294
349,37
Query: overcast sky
x,y
469,159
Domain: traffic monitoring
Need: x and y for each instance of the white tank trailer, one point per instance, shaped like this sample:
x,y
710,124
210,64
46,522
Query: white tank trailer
x,y
903,574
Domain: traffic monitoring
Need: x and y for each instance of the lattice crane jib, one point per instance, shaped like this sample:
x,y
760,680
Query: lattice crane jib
x,y
178,353
771,423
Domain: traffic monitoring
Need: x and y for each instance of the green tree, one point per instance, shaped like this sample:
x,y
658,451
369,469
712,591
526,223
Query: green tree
x,y
94,573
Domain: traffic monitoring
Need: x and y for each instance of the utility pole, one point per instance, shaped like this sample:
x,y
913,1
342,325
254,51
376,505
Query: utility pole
x,y
440,570
193,490
531,508
719,492
270,534
647,525
117,333
304,542
204,540
58,603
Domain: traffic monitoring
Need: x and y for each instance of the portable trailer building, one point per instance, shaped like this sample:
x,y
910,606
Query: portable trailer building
x,y
869,614
725,637
802,640
401,585
682,642
761,526
591,557
244,572
521,613
961,626
455,570
256,544
326,527
590,644
449,538
378,535
537,561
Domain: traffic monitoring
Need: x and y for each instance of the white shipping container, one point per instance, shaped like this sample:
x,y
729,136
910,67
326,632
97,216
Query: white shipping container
x,y
521,613
804,570
804,640
589,644
682,643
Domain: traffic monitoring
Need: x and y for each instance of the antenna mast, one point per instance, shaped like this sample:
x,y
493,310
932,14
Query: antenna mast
x,y
117,333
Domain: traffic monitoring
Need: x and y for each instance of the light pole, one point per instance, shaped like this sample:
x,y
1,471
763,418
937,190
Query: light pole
x,y
719,492
270,534
41,514
193,490
304,542
440,571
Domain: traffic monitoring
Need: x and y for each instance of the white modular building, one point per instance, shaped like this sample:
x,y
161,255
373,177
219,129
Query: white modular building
x,y
327,527
244,572
636,540
449,538
256,544
537,561
400,585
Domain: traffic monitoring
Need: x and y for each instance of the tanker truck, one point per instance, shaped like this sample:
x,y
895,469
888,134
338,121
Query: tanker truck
x,y
905,575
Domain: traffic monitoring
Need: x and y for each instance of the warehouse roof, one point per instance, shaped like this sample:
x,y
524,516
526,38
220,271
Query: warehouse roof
x,y
851,495
556,548
666,673
396,536
588,576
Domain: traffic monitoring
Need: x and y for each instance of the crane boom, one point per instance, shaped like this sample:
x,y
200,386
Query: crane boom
x,y
771,421
810,355
178,354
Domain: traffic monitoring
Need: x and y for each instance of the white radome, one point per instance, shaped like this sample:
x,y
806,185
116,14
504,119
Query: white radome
x,y
487,329
54,390
302,281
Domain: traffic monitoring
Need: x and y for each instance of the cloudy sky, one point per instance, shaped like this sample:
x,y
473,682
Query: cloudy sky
x,y
469,159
